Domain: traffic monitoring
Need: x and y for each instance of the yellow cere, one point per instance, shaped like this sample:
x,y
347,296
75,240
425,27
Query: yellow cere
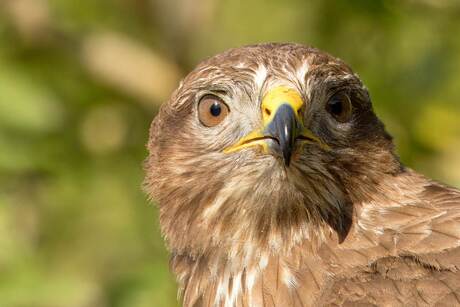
x,y
277,97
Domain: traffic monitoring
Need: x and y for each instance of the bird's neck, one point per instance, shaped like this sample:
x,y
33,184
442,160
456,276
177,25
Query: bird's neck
x,y
249,279
238,270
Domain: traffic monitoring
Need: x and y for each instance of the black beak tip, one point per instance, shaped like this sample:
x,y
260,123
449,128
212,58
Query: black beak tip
x,y
283,129
287,158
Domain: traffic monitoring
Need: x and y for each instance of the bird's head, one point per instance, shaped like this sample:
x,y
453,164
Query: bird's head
x,y
264,145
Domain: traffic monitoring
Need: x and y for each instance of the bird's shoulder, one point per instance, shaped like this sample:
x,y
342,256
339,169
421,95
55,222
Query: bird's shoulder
x,y
414,215
397,281
404,252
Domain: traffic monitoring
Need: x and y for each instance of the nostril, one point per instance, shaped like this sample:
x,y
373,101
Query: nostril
x,y
300,110
267,111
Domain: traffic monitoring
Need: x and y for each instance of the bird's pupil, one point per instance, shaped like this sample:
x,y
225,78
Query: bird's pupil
x,y
215,109
336,107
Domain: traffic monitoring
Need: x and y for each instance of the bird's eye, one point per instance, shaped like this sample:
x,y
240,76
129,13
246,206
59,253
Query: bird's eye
x,y
212,110
339,106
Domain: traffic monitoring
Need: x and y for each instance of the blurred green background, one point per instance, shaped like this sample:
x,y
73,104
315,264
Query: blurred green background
x,y
80,82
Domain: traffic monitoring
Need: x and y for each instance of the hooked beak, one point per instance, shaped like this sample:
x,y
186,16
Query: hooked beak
x,y
282,124
284,129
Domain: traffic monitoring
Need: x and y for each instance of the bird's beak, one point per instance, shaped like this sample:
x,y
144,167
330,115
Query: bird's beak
x,y
282,123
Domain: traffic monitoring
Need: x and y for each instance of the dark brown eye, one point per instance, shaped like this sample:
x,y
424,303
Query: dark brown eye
x,y
212,110
339,106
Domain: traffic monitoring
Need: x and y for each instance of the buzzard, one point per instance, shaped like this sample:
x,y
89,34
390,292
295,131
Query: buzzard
x,y
277,185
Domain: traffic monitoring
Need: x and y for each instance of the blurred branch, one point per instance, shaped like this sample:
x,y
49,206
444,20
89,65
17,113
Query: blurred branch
x,y
182,22
30,17
128,65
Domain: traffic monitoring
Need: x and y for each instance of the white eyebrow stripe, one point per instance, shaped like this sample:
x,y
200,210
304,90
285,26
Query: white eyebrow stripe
x,y
260,76
302,71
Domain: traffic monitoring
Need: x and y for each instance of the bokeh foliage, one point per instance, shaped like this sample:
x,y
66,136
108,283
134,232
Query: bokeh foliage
x,y
80,82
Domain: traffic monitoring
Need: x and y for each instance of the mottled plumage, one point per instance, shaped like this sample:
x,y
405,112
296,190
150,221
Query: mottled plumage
x,y
338,225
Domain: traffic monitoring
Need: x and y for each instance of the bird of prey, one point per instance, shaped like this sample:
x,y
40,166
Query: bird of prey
x,y
277,185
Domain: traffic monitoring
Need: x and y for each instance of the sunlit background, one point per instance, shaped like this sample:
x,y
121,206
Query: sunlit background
x,y
80,82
